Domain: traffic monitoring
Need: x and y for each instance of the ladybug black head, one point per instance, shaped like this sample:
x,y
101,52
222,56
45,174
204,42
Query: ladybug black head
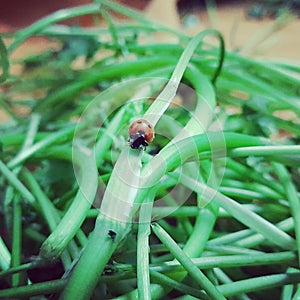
x,y
138,141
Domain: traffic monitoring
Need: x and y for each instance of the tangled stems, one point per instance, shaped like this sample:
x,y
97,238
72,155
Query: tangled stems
x,y
163,163
186,262
110,72
293,199
252,220
190,145
75,287
16,183
165,98
199,122
156,271
47,141
117,210
120,191
86,161
100,239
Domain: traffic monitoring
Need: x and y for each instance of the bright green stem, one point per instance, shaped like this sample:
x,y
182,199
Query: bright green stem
x,y
287,291
109,72
204,223
88,182
230,261
247,217
101,245
75,215
112,29
58,240
33,127
143,276
258,283
273,151
120,194
293,198
16,183
16,238
255,239
170,157
112,225
165,98
45,205
87,178
4,62
32,290
16,269
47,141
252,174
194,246
186,262
297,294
170,283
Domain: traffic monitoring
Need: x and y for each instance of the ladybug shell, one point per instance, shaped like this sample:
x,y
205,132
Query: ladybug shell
x,y
141,133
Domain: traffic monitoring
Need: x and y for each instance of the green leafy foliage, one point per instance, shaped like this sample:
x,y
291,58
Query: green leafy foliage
x,y
217,189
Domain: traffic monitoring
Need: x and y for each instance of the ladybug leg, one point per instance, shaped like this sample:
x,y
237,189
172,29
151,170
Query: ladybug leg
x,y
145,144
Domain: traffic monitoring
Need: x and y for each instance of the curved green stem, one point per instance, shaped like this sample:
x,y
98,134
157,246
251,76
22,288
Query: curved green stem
x,y
165,98
16,238
4,62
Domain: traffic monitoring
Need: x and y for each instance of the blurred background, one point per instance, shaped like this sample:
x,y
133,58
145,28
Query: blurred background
x,y
269,28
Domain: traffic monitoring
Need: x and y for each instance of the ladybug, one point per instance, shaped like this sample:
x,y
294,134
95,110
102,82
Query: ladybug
x,y
141,133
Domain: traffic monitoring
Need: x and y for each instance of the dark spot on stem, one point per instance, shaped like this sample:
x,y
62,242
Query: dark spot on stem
x,y
112,234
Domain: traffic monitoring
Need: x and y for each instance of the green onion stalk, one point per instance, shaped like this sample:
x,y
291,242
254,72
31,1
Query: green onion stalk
x,y
119,201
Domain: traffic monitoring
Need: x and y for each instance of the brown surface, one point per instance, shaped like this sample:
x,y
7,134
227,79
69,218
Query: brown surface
x,y
20,13
239,32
